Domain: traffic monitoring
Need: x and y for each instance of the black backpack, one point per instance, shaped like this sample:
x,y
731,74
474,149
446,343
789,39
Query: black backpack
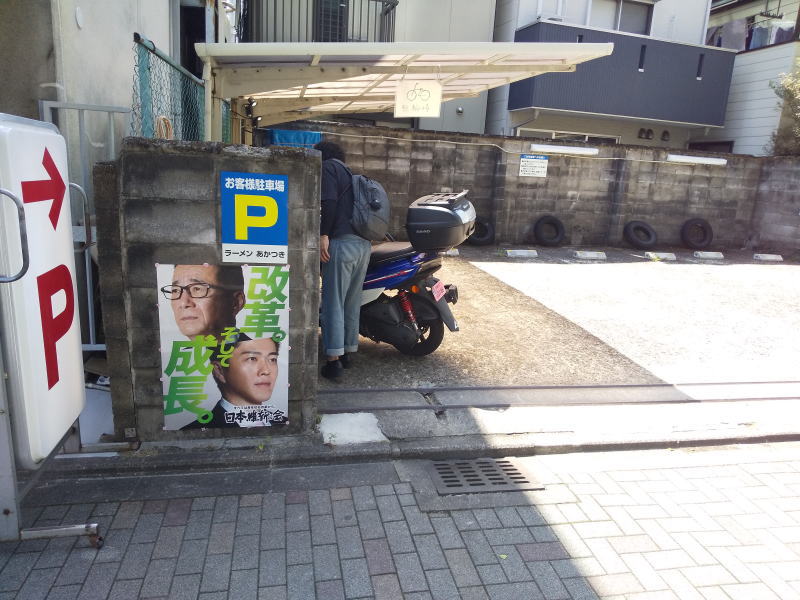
x,y
371,207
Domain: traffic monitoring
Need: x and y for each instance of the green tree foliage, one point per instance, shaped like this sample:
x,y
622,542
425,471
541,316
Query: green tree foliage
x,y
786,139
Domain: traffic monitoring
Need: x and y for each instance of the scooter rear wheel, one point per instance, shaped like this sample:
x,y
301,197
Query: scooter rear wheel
x,y
431,338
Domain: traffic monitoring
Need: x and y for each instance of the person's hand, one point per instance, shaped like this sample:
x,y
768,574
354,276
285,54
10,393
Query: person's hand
x,y
324,255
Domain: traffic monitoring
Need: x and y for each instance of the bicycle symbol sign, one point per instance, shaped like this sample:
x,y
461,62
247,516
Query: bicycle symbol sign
x,y
418,92
416,98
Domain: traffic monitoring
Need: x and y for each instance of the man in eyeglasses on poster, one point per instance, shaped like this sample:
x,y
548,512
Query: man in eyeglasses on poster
x,y
205,299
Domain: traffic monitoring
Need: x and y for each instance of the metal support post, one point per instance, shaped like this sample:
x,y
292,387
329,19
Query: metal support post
x,y
9,507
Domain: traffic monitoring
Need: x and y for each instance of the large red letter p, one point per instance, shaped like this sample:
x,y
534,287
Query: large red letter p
x,y
54,326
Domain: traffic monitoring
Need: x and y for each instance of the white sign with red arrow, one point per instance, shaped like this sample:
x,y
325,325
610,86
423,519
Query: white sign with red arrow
x,y
40,334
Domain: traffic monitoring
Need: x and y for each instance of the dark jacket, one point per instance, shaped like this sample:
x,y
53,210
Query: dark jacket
x,y
217,420
337,199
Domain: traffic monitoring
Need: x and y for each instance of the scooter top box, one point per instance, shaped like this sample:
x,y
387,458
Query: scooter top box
x,y
438,222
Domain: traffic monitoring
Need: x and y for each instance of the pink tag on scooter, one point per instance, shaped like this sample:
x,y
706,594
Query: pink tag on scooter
x,y
438,290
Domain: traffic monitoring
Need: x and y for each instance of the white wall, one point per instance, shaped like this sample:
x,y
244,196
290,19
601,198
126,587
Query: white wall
x,y
449,21
604,14
95,60
444,21
680,20
677,20
753,111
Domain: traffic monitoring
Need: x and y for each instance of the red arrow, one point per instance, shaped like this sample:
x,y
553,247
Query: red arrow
x,y
46,189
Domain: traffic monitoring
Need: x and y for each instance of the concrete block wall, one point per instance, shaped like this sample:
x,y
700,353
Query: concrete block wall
x,y
159,203
777,215
751,200
413,164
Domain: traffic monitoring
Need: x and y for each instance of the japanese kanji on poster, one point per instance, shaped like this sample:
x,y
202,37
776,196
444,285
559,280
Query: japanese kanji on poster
x,y
224,345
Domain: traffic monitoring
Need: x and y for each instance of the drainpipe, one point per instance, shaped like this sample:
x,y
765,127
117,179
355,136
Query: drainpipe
x,y
705,23
208,105
58,53
210,4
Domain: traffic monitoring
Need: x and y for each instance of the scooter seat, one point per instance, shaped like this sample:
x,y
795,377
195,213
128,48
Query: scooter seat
x,y
390,251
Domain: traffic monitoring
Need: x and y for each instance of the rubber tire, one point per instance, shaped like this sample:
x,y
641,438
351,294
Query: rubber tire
x,y
432,339
630,231
688,239
543,225
483,234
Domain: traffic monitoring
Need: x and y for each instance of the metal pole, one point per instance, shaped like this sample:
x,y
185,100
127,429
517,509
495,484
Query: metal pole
x,y
209,101
151,47
111,137
145,93
84,149
9,506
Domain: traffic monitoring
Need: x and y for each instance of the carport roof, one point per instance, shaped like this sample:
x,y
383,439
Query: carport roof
x,y
298,80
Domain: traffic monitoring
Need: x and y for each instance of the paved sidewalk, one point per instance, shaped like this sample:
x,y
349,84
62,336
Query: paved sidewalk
x,y
711,523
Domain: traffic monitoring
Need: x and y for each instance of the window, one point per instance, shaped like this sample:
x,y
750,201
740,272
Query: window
x,y
634,17
567,136
330,20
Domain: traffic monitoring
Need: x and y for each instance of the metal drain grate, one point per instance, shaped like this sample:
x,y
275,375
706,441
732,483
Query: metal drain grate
x,y
480,475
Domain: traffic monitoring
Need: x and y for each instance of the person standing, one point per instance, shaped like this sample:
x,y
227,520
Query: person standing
x,y
345,256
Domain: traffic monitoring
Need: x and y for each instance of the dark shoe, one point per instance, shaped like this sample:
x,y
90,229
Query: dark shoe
x,y
345,360
332,369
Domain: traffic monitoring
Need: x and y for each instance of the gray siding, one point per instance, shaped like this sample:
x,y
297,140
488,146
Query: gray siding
x,y
667,89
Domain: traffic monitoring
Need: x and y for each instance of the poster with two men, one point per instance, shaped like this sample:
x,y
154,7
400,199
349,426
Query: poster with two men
x,y
224,328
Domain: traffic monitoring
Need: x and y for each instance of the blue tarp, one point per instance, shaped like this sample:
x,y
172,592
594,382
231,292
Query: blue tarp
x,y
287,137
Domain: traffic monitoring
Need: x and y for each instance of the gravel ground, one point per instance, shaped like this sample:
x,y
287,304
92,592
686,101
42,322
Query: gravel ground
x,y
505,338
555,320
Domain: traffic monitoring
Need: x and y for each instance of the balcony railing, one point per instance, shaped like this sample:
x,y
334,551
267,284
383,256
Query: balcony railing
x,y
317,21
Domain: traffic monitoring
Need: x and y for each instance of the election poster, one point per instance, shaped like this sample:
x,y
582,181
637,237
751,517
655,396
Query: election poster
x,y
224,345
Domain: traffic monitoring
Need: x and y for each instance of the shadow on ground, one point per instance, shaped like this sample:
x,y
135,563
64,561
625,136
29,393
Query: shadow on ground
x,y
506,338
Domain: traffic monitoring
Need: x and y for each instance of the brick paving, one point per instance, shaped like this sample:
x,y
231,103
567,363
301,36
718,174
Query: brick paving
x,y
641,525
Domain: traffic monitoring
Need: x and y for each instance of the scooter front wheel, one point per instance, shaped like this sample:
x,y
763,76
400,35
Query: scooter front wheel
x,y
431,336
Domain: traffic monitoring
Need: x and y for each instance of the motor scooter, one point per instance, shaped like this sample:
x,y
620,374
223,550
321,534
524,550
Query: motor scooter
x,y
403,304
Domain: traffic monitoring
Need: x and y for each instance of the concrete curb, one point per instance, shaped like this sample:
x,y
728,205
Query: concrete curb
x,y
301,450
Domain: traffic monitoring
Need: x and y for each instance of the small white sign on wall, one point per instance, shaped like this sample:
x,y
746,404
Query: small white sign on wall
x,y
533,165
416,98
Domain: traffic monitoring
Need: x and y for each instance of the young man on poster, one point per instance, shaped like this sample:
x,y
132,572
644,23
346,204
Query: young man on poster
x,y
205,299
245,371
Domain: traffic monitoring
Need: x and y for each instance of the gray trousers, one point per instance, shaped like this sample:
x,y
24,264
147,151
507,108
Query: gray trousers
x,y
342,281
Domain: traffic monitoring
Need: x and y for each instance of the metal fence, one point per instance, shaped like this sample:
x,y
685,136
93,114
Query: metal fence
x,y
317,20
168,101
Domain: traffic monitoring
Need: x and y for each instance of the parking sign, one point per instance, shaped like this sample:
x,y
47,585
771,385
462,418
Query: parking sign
x,y
39,330
255,219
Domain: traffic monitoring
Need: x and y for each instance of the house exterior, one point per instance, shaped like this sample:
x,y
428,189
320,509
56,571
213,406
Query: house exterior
x,y
305,21
77,53
660,86
765,36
